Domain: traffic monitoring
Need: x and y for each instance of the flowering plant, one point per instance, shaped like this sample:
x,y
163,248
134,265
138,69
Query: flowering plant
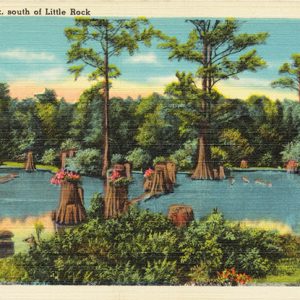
x,y
148,173
231,277
65,175
117,179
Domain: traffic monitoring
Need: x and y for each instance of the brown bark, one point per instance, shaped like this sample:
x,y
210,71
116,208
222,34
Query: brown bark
x,y
221,173
106,113
29,165
161,182
171,169
147,184
180,215
71,210
203,169
115,201
128,170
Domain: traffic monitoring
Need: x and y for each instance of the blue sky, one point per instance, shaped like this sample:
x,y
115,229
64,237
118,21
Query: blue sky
x,y
33,57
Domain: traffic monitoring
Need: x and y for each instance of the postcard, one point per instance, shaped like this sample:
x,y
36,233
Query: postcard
x,y
147,151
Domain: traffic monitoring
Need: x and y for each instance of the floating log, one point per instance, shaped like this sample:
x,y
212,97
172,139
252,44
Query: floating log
x,y
29,165
180,214
71,210
7,247
221,173
7,178
115,201
161,182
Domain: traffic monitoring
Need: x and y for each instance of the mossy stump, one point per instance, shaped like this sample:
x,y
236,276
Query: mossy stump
x,y
71,211
161,183
7,247
180,214
244,164
116,200
29,164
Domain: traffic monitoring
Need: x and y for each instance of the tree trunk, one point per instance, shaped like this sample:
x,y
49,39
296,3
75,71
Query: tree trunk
x,y
299,86
161,182
105,164
203,169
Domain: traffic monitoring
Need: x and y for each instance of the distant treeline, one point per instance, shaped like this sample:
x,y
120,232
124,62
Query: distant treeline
x,y
262,131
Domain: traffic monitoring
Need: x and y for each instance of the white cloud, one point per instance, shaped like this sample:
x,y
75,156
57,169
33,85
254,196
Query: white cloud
x,y
149,58
52,74
28,56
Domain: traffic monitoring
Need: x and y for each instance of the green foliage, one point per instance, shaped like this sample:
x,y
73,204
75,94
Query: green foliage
x,y
117,159
184,157
96,206
235,145
291,70
291,151
85,162
141,247
69,144
49,157
159,159
11,271
139,158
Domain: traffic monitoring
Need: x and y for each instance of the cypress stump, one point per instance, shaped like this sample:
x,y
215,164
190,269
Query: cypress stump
x,y
29,165
161,182
148,184
71,209
180,214
128,169
6,244
171,168
244,164
116,199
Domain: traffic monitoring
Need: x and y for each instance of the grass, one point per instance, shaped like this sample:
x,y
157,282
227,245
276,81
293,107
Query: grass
x,y
288,273
268,225
13,164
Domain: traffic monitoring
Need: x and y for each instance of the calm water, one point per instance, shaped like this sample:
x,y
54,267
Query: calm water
x,y
31,194
281,202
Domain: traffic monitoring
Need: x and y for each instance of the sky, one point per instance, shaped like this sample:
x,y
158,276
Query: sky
x,y
33,57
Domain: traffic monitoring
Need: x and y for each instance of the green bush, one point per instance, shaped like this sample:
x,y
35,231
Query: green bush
x,y
142,247
49,157
117,159
85,162
139,158
184,157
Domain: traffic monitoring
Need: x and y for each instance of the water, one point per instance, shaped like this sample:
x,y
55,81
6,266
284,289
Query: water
x,y
31,194
239,201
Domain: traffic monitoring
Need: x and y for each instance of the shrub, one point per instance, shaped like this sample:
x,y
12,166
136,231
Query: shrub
x,y
183,158
86,162
139,158
69,144
96,206
117,159
141,247
49,157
